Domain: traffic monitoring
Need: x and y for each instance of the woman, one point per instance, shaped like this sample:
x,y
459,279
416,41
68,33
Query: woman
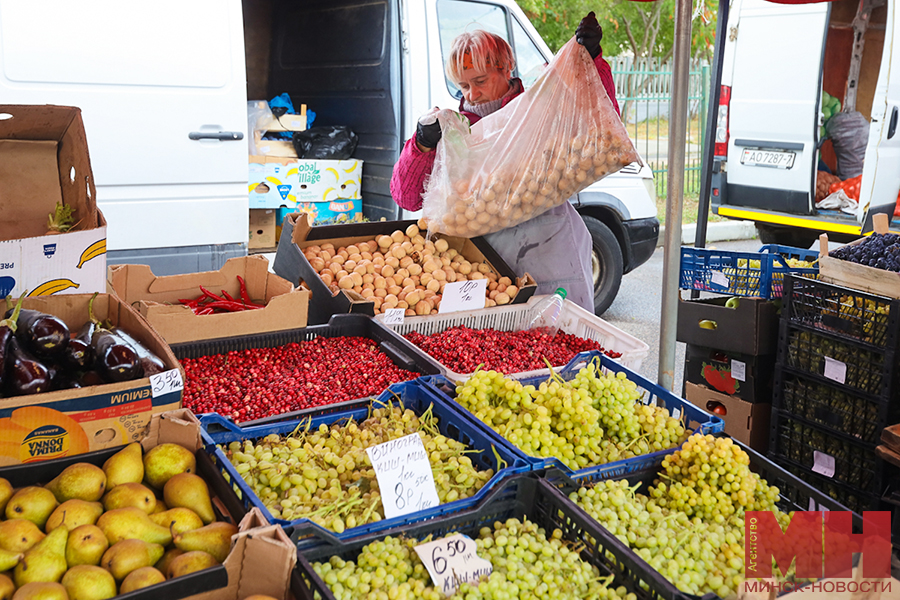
x,y
554,247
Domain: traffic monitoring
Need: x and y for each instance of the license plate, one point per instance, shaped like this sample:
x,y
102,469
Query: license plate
x,y
768,158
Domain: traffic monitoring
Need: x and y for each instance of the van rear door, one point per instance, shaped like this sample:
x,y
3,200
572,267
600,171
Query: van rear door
x,y
778,53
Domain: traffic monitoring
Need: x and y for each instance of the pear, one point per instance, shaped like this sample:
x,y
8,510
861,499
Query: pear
x,y
86,582
45,561
81,480
18,535
259,597
130,494
7,587
41,591
160,507
74,513
178,520
6,492
129,555
32,503
189,491
85,546
132,523
171,554
8,559
166,460
190,562
125,466
214,539
141,578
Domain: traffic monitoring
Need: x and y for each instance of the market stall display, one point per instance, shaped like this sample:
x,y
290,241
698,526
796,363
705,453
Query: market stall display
x,y
856,265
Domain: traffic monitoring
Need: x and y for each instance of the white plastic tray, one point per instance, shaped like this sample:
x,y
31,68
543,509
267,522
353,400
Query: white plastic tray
x,y
573,320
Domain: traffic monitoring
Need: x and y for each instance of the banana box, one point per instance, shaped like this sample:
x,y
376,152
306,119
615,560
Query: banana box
x,y
62,423
327,188
52,235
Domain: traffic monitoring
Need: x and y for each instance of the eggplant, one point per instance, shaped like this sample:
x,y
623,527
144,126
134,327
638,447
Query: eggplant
x,y
42,334
151,363
25,374
113,358
7,331
89,378
79,355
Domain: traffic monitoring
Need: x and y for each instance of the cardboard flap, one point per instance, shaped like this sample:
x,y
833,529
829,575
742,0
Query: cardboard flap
x,y
881,223
176,427
173,283
300,222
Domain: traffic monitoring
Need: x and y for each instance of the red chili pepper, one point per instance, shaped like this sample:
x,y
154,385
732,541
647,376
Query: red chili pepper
x,y
231,306
190,303
210,295
244,295
206,310
228,296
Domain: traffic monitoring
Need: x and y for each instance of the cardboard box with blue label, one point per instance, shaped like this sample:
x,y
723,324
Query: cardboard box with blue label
x,y
323,189
45,168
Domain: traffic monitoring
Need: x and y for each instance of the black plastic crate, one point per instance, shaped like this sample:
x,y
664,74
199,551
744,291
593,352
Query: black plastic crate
x,y
809,350
854,499
833,406
797,441
523,496
403,354
844,312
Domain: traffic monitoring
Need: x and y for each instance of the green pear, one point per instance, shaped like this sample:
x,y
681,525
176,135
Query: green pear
x,y
9,560
130,494
32,503
45,561
178,520
6,492
7,588
74,513
87,582
190,562
166,460
82,480
41,591
171,554
129,555
213,539
18,535
85,546
187,490
132,523
160,507
125,466
141,578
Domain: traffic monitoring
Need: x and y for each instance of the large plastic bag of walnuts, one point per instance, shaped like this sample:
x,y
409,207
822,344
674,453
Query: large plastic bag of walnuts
x,y
550,142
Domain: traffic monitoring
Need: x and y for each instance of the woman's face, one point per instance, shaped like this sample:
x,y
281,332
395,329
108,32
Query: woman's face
x,y
479,87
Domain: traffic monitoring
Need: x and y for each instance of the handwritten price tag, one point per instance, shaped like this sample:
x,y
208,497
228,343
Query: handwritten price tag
x,y
452,560
394,316
835,370
719,278
404,475
823,463
163,383
463,295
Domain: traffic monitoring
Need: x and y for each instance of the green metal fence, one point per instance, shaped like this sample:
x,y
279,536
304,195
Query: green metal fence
x,y
643,90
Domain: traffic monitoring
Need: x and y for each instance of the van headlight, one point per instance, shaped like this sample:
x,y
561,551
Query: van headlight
x,y
651,187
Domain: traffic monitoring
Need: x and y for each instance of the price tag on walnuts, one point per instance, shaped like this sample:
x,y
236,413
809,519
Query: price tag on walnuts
x,y
404,475
463,295
163,383
453,560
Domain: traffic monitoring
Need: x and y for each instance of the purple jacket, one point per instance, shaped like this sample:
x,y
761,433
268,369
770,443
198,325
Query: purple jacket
x,y
414,166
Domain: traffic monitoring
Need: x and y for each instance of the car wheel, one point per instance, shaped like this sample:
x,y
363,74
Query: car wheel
x,y
606,264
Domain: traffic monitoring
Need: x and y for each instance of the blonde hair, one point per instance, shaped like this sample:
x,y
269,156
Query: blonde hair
x,y
479,50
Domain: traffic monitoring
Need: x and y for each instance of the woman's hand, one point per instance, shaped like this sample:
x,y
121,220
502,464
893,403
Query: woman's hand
x,y
589,34
428,131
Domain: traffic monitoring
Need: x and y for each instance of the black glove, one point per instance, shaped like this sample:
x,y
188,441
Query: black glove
x,y
428,136
589,34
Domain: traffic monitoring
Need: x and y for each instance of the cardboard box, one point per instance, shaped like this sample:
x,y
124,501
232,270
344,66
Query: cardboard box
x,y
318,187
44,161
742,375
157,299
262,228
750,328
744,421
54,424
291,263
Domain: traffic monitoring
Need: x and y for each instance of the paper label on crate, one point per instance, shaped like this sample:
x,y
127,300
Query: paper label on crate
x,y
463,295
404,475
394,316
835,370
719,278
823,463
164,383
813,507
738,370
452,560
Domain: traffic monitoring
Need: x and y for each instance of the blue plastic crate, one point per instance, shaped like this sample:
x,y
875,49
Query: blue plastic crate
x,y
695,418
725,272
218,430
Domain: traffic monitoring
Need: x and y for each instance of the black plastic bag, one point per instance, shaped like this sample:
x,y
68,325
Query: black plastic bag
x,y
335,142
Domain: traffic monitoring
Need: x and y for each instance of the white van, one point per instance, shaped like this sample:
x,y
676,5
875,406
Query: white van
x,y
163,87
777,60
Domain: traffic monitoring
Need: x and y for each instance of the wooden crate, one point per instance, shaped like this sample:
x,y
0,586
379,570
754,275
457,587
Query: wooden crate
x,y
859,277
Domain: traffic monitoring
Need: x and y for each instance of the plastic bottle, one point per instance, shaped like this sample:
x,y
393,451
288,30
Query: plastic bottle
x,y
546,313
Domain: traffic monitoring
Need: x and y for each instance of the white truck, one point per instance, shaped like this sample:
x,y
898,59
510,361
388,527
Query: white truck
x,y
164,87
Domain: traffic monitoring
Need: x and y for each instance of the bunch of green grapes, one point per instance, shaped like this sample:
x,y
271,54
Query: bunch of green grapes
x,y
325,474
591,420
527,564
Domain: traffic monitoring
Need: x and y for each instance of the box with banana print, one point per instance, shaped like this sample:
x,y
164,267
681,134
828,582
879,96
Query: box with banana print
x,y
324,189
